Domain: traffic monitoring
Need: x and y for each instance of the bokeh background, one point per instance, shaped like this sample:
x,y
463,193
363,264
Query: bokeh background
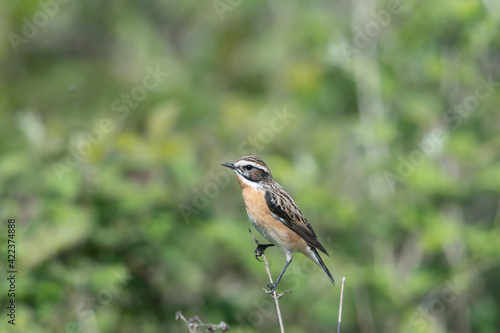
x,y
380,118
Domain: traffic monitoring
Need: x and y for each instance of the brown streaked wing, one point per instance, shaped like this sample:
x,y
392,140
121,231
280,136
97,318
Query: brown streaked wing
x,y
281,203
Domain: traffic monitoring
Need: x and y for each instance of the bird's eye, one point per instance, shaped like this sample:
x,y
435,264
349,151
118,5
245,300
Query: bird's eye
x,y
248,167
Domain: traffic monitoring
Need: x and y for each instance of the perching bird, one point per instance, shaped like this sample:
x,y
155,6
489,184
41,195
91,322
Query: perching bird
x,y
275,215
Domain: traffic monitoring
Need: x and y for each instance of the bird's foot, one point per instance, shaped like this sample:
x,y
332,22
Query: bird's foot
x,y
272,291
272,287
259,250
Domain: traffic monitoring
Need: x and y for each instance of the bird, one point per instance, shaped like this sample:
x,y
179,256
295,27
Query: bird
x,y
275,215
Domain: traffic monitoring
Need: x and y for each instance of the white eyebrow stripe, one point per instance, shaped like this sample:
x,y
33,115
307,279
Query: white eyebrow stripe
x,y
243,162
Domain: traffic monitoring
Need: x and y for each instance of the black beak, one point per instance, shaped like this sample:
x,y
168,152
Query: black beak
x,y
229,165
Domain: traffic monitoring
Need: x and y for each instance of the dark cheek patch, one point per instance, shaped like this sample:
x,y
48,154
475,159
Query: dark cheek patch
x,y
258,174
255,175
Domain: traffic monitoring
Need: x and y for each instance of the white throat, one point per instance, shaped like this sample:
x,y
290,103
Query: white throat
x,y
254,185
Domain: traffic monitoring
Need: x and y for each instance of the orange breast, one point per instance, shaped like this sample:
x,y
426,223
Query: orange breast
x,y
271,229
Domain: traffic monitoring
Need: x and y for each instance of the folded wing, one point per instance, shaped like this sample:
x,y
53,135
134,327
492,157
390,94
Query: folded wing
x,y
282,205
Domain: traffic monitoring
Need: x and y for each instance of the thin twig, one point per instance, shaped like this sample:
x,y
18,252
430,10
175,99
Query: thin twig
x,y
178,315
273,293
340,306
195,325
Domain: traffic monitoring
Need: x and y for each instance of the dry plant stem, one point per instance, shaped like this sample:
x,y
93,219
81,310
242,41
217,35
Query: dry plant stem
x,y
273,294
195,325
340,306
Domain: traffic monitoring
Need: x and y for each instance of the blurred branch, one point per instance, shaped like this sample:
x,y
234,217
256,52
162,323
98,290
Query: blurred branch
x,y
195,325
275,296
340,306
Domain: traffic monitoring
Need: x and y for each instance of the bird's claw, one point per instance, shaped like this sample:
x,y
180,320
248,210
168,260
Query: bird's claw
x,y
272,287
259,250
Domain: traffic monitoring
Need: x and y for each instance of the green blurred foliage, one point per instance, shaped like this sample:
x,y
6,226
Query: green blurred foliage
x,y
125,216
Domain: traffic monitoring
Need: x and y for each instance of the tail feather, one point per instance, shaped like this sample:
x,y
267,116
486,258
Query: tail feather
x,y
321,264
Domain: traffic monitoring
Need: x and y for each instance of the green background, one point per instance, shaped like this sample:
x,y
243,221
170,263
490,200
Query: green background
x,y
374,115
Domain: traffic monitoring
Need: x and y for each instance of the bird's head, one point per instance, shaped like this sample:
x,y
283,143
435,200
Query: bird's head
x,y
251,171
